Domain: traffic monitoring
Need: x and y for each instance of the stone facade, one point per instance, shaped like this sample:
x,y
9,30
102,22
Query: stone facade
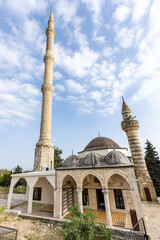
x,y
110,179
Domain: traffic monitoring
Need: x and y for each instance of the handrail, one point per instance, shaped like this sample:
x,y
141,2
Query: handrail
x,y
146,237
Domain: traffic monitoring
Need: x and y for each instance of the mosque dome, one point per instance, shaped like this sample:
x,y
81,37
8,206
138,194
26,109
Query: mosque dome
x,y
71,161
116,157
92,159
101,143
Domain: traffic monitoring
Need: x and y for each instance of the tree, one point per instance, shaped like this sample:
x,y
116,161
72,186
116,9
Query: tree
x,y
153,165
6,179
57,157
17,169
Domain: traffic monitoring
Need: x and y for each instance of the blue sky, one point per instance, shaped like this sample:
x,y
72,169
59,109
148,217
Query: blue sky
x,y
103,50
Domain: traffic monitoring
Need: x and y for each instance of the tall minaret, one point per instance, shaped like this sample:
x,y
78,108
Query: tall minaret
x,y
130,126
44,151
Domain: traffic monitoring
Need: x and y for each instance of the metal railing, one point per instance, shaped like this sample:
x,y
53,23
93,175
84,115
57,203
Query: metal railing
x,y
7,233
132,235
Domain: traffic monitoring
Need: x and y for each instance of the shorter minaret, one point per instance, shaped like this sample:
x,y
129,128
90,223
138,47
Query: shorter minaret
x,y
130,126
44,151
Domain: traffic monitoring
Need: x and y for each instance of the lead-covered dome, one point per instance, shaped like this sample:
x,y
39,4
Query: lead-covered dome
x,y
101,143
116,157
71,161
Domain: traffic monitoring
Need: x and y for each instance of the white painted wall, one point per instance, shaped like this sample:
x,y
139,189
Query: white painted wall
x,y
47,191
104,152
19,196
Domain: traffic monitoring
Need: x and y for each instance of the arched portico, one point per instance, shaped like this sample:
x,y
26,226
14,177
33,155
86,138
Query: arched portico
x,y
69,193
40,188
121,200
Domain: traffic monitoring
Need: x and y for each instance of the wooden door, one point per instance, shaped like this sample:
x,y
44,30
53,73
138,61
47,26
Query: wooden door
x,y
148,196
134,219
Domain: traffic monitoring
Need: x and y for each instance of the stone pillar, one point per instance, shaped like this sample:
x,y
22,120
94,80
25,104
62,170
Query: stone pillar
x,y
13,183
30,199
44,152
58,203
107,206
31,181
130,125
79,191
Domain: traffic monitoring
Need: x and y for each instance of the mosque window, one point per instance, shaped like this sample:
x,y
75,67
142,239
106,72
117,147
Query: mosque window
x,y
37,194
119,199
85,197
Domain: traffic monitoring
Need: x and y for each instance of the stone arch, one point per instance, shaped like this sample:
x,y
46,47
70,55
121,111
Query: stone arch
x,y
92,194
118,172
68,174
69,193
94,174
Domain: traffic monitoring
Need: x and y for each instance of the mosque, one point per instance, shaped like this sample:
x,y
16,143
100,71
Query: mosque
x,y
102,175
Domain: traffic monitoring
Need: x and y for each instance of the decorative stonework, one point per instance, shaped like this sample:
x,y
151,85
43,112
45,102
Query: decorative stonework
x,y
47,88
130,125
49,58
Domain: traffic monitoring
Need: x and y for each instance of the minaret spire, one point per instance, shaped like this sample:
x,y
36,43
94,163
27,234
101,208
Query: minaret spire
x,y
51,16
130,126
44,152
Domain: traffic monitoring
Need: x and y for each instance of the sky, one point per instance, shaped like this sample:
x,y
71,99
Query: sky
x,y
104,49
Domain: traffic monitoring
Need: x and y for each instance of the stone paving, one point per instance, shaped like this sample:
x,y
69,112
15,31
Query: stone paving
x,y
152,217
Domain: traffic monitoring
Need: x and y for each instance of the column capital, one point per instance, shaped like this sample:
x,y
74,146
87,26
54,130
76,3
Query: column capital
x,y
105,191
79,190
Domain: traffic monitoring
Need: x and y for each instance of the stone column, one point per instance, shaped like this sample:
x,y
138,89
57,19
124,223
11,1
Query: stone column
x,y
58,203
30,199
31,181
107,206
44,152
13,183
79,191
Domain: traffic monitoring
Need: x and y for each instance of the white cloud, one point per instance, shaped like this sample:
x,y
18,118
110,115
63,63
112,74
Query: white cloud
x,y
18,101
77,63
74,87
59,87
148,59
99,39
66,9
27,7
57,75
122,12
140,9
125,37
95,95
96,7
108,51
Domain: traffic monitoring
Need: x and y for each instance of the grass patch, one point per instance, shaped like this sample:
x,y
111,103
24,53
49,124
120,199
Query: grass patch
x,y
3,217
5,190
19,190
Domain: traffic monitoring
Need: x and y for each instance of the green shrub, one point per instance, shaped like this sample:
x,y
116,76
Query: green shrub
x,y
83,226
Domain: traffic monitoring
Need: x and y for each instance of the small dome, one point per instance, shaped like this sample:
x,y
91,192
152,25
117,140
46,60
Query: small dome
x,y
71,161
116,157
91,159
101,143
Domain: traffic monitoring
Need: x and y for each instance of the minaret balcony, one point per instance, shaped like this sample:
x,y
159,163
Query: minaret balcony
x,y
129,125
